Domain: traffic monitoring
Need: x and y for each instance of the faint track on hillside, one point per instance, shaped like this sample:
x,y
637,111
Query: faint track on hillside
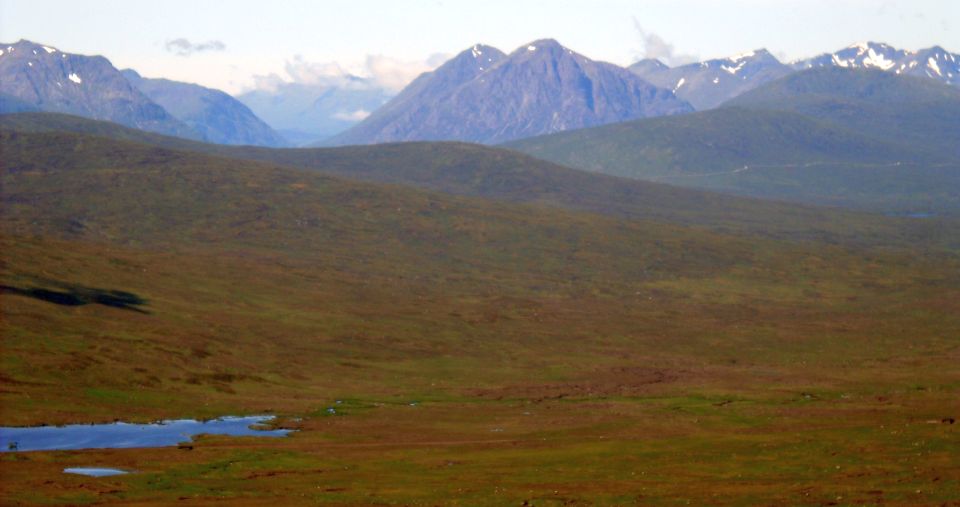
x,y
795,166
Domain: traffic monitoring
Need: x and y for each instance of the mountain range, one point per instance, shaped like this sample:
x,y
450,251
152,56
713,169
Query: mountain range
x,y
48,79
708,84
481,95
42,78
484,96
934,63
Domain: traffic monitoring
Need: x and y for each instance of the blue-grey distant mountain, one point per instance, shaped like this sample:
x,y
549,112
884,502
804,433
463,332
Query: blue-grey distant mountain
x,y
10,104
304,113
398,119
484,96
51,80
218,117
934,63
708,84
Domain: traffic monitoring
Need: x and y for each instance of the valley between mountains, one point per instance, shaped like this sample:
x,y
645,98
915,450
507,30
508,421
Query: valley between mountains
x,y
746,297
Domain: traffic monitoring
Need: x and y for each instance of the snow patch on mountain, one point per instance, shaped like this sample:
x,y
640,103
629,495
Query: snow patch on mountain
x,y
734,70
875,59
933,63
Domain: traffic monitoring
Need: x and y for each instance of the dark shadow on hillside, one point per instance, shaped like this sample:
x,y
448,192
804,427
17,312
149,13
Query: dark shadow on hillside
x,y
77,295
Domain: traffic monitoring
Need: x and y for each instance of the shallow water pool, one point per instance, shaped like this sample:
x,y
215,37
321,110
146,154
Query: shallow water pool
x,y
94,472
125,435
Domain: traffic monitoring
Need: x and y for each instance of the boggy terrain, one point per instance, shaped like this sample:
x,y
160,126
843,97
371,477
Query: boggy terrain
x,y
472,351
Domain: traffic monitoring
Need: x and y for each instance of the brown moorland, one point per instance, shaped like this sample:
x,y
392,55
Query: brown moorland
x,y
473,351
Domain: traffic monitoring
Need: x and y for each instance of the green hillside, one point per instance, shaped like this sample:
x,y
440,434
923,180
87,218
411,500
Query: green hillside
x,y
843,145
900,109
480,171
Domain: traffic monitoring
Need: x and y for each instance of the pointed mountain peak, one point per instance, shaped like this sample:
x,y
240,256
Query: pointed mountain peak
x,y
541,87
467,63
546,50
24,45
743,56
477,54
543,46
479,50
756,55
865,47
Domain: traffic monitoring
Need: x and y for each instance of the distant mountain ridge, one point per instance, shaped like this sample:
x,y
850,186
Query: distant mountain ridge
x,y
50,80
481,95
484,96
306,112
36,77
708,84
934,63
218,117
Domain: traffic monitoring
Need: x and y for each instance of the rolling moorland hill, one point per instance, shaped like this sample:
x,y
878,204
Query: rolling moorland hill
x,y
540,88
493,173
898,109
428,346
860,139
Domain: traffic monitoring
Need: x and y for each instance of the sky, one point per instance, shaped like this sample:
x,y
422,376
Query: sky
x,y
239,45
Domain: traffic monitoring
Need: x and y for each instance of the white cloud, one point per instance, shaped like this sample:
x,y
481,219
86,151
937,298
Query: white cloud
x,y
183,47
357,115
376,71
654,46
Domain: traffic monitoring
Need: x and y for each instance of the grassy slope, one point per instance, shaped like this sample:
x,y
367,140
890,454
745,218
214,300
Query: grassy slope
x,y
555,356
897,108
480,171
866,140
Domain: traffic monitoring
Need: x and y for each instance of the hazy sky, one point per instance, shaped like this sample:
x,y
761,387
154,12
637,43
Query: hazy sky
x,y
229,44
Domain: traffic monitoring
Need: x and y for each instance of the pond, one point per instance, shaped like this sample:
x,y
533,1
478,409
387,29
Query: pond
x,y
94,472
126,435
